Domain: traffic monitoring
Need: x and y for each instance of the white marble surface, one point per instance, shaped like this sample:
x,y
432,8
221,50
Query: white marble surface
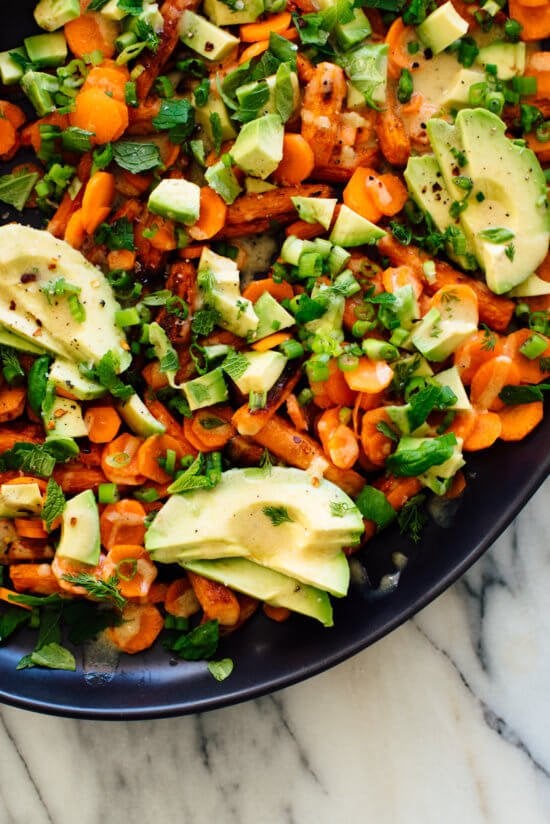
x,y
445,721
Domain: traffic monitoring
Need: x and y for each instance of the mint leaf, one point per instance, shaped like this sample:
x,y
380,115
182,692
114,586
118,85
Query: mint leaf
x,y
53,656
221,669
15,190
136,157
54,504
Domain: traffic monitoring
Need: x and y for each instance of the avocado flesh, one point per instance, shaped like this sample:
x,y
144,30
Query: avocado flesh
x,y
24,308
265,584
80,539
512,183
20,500
231,520
427,188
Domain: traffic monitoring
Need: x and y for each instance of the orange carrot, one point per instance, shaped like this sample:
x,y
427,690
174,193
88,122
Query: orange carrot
x,y
153,377
397,276
377,446
12,402
398,56
304,230
164,237
400,490
110,79
462,293
96,112
457,487
298,160
36,578
529,370
357,196
369,376
296,413
151,450
103,423
487,429
62,566
392,137
140,627
75,233
278,23
181,600
538,66
534,26
490,379
212,215
30,135
386,192
121,259
278,614
173,428
30,528
91,32
327,424
463,423
98,196
271,341
343,448
7,595
122,523
256,288
475,351
132,566
218,601
212,428
8,136
14,114
336,386
119,461
518,421
253,51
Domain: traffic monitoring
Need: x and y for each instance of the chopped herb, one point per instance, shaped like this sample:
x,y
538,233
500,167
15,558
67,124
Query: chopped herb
x,y
409,462
221,670
405,87
489,338
202,92
373,505
204,321
11,368
385,429
340,508
235,365
497,235
176,116
277,515
106,373
199,644
51,656
510,251
217,133
117,235
10,619
523,394
54,504
136,157
96,588
15,189
412,519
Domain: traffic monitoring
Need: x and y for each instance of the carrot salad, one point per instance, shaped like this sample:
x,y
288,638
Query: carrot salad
x,y
292,269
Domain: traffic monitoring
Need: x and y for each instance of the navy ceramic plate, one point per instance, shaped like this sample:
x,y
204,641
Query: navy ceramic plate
x,y
269,656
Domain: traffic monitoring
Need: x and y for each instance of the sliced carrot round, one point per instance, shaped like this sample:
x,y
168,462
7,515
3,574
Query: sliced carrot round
x,y
138,630
122,523
369,376
486,430
297,163
133,567
96,112
153,449
518,421
376,444
119,461
489,380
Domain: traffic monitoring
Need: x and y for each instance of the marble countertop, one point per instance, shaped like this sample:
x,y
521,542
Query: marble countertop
x,y
446,720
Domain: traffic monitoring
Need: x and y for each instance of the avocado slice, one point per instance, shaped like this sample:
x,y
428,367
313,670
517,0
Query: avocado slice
x,y
80,539
258,149
66,375
203,37
315,209
30,259
509,193
136,415
442,27
52,14
352,229
65,420
223,15
509,58
451,378
218,279
258,515
269,586
21,344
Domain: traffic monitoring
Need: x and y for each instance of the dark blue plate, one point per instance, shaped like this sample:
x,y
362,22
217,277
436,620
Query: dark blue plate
x,y
269,656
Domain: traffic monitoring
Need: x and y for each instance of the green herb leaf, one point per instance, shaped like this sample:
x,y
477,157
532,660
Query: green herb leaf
x,y
201,92
86,620
217,132
252,102
132,7
523,394
10,619
117,235
412,462
373,505
199,644
54,504
15,190
176,116
97,5
221,669
204,321
412,519
499,234
107,375
339,509
136,157
430,397
386,430
99,590
53,656
37,383
11,368
235,365
277,515
284,92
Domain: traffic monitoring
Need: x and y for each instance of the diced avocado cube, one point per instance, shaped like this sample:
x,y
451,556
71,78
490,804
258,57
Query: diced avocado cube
x,y
47,50
355,100
438,478
39,87
352,229
52,14
249,91
222,14
20,500
206,390
442,27
254,186
203,118
223,180
177,200
203,37
457,95
263,370
316,209
272,587
258,149
273,317
80,539
65,420
10,71
531,287
221,270
138,418
451,378
151,16
509,58
367,70
66,375
112,11
350,34
437,338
